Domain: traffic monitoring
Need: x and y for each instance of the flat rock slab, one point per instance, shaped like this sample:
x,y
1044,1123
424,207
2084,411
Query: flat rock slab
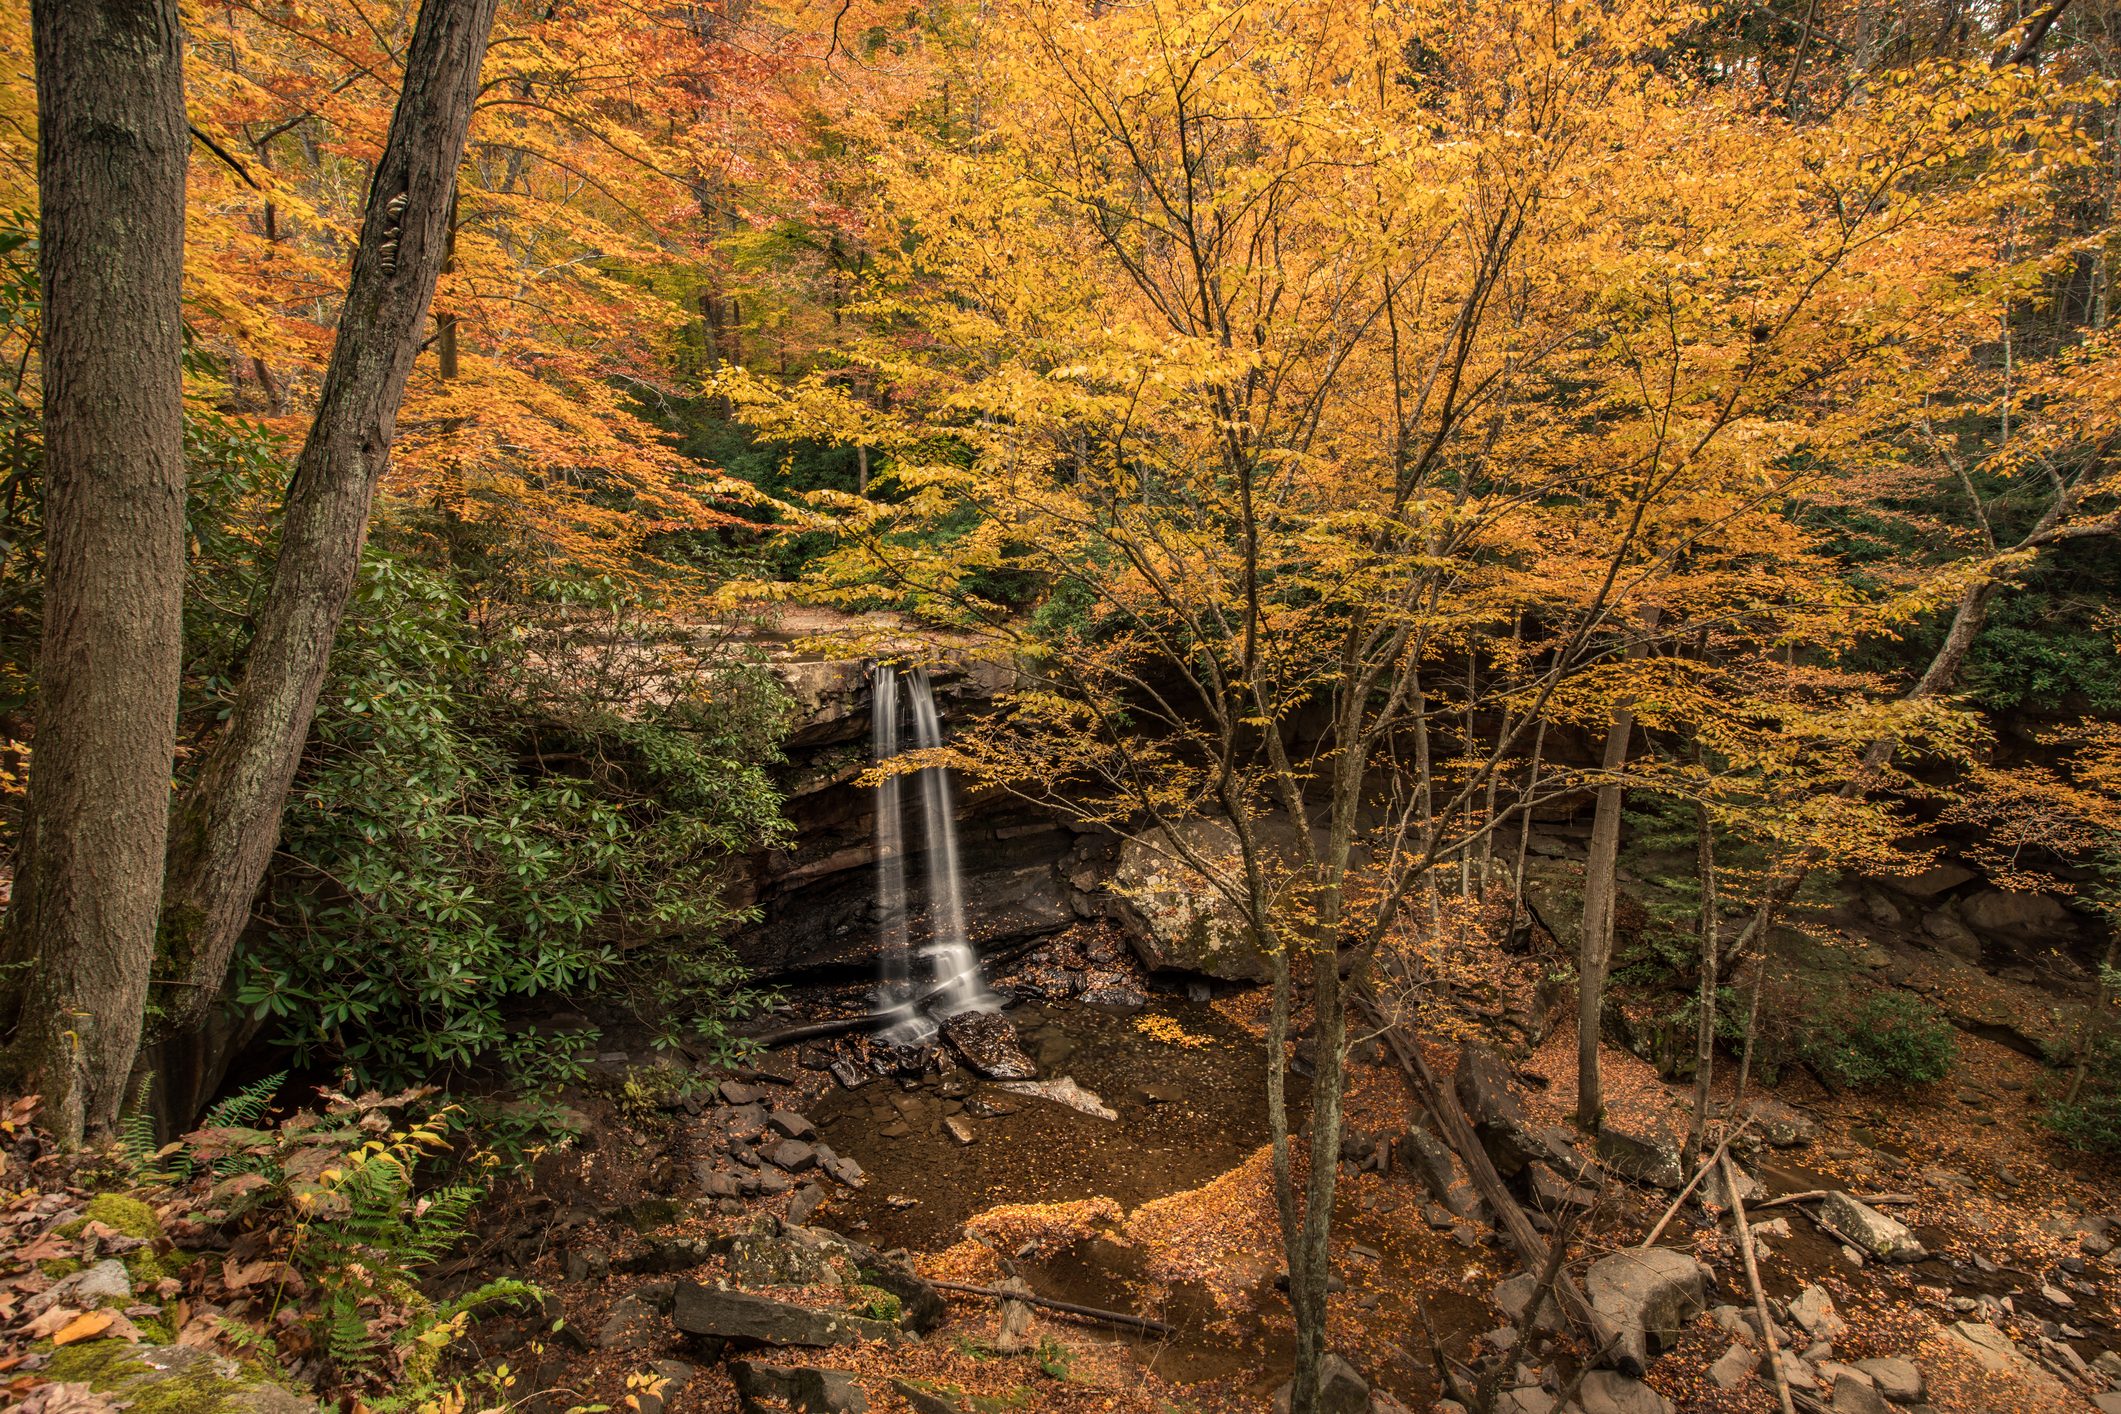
x,y
1063,1091
795,1389
741,1315
988,1042
1887,1239
1606,1392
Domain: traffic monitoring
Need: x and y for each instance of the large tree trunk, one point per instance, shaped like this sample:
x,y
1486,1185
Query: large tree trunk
x,y
229,820
112,146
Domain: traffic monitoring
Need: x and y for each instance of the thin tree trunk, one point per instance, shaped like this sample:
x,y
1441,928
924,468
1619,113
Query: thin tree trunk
x,y
1705,1022
1752,1024
1595,934
1524,823
229,819
112,146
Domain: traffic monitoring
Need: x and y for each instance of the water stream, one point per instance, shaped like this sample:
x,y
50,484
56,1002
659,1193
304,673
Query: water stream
x,y
953,983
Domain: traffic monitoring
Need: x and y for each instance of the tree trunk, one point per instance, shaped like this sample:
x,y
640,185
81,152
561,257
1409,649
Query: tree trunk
x,y
1705,1021
229,820
112,147
1595,941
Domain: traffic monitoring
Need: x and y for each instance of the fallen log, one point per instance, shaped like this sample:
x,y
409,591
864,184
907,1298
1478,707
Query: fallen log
x,y
1699,1174
1752,1277
1440,1101
1814,1195
1088,1313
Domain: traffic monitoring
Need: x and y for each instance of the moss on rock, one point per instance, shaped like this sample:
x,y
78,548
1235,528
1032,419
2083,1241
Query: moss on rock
x,y
171,1379
127,1216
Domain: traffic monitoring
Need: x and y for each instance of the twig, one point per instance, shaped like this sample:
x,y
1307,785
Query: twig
x,y
1089,1313
1752,1276
1699,1173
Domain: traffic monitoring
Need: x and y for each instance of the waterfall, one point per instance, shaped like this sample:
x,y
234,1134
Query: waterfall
x,y
955,984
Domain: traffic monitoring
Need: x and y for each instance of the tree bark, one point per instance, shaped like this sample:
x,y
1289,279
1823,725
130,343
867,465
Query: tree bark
x,y
1595,935
112,147
1705,1020
229,819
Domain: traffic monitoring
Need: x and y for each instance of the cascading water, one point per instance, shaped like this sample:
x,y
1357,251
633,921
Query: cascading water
x,y
955,984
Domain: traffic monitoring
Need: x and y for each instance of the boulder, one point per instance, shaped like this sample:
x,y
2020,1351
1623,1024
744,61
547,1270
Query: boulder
x,y
2019,917
1513,1298
1652,1157
1951,935
1935,880
1898,1380
1482,1083
1870,1231
1440,1172
1176,918
795,1389
168,1377
987,1040
1781,1125
1341,1389
1646,1296
1609,1392
740,1315
1854,1396
790,1125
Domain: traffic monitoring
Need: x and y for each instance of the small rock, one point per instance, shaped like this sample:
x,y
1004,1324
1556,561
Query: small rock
x,y
987,1040
793,1155
1795,1373
631,1325
790,1125
715,1183
1814,1310
736,1092
1651,1157
1514,1296
2057,1296
847,1171
1782,1126
1734,1367
1995,1350
959,1130
804,1203
104,1283
1063,1091
742,1315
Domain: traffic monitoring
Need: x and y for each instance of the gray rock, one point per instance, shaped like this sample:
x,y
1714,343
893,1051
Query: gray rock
x,y
1781,1125
1178,920
1814,1310
797,1389
1513,1298
1651,1157
1608,1392
2107,1366
2020,917
1063,1091
188,1377
805,1203
1734,1367
847,1171
1887,1239
1898,1380
1853,1396
793,1155
2109,1403
1341,1389
104,1283
1989,1346
987,1041
1482,1082
1647,1296
631,1325
1951,935
1440,1172
740,1315
736,1092
925,1401
790,1125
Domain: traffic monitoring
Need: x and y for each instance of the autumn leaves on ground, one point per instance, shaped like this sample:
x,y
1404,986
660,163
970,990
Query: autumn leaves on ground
x,y
1513,604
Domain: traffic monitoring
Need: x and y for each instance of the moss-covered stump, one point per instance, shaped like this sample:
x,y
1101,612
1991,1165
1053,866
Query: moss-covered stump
x,y
171,1379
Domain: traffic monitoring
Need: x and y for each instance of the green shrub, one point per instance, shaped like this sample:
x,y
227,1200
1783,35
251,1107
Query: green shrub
x,y
1891,1038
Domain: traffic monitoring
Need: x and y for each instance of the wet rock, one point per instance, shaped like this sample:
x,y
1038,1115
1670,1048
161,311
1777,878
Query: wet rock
x,y
1651,1157
795,1389
1609,1392
1887,1239
849,1075
1482,1083
1341,1389
1177,920
1734,1367
1063,1091
1647,1296
1898,1380
741,1315
987,1040
1112,989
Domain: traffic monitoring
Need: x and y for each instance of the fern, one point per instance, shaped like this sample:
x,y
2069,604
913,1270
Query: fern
x,y
247,1106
